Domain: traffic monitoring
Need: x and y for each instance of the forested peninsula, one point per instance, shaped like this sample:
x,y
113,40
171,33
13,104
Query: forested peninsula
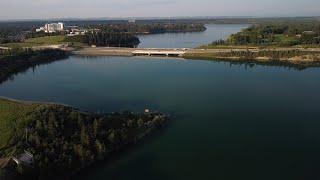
x,y
294,43
48,141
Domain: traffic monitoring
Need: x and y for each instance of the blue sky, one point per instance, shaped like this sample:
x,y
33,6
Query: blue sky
x,y
29,9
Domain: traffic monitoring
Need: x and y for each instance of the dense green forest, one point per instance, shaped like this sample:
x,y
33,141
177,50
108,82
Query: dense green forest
x,y
150,28
112,39
64,140
276,34
105,38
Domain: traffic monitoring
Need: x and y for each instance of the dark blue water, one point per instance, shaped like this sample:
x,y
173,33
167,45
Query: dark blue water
x,y
189,40
228,122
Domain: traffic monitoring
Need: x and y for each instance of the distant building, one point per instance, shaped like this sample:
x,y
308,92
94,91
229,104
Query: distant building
x,y
76,31
132,21
52,27
40,29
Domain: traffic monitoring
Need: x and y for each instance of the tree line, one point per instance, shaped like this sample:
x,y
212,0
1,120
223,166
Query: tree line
x,y
153,28
106,38
272,54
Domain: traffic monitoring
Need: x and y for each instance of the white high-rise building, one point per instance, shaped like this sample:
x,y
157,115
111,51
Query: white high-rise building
x,y
54,27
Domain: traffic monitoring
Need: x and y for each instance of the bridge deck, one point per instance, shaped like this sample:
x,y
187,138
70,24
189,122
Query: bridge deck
x,y
114,51
159,52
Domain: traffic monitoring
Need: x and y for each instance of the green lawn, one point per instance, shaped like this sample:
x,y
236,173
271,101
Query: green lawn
x,y
18,45
46,40
42,41
13,117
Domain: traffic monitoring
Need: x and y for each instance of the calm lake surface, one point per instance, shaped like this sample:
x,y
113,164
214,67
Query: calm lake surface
x,y
189,40
228,121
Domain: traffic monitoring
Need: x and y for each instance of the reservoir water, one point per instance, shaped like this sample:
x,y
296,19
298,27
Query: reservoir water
x,y
228,121
189,40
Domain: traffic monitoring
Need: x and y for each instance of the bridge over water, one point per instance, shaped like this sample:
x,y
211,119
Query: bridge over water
x,y
132,51
159,52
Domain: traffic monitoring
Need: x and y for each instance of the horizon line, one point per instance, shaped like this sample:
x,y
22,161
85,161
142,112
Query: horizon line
x,y
149,18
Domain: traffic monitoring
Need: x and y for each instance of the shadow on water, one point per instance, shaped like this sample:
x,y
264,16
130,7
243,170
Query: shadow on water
x,y
273,63
25,67
243,62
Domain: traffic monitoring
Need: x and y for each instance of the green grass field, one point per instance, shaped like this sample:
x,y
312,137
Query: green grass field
x,y
13,117
46,40
42,41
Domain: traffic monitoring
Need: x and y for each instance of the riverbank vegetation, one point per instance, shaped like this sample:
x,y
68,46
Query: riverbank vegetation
x,y
290,41
299,59
64,140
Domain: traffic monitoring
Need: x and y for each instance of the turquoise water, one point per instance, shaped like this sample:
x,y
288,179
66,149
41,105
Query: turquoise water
x,y
228,121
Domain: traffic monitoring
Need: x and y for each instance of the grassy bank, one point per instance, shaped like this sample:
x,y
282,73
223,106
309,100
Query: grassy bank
x,y
45,41
40,41
13,116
